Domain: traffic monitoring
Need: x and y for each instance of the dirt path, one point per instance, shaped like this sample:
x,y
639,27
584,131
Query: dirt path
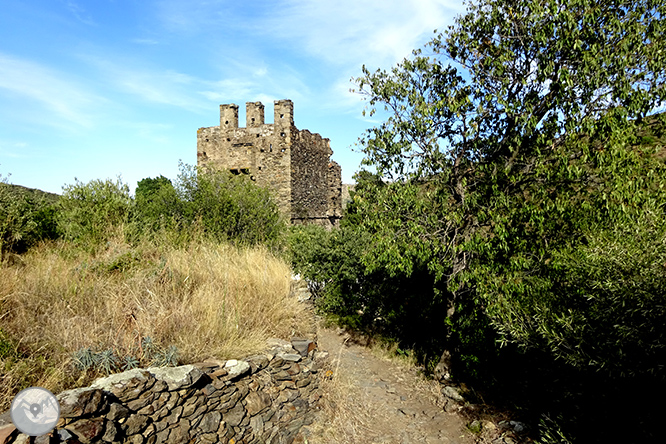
x,y
370,399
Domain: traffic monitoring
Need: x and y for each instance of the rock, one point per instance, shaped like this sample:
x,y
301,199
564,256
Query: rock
x,y
110,433
518,427
177,377
117,411
22,439
234,416
255,402
451,406
236,368
210,422
475,426
163,436
277,342
7,431
443,369
289,357
452,393
320,355
280,345
135,424
257,362
140,402
65,436
87,430
489,426
126,385
81,402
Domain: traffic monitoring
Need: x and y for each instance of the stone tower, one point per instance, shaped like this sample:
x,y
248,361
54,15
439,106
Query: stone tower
x,y
294,164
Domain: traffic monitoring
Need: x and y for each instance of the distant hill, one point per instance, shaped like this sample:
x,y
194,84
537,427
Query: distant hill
x,y
32,193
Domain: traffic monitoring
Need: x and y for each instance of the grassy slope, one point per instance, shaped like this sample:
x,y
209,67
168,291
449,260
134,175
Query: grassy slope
x,y
208,300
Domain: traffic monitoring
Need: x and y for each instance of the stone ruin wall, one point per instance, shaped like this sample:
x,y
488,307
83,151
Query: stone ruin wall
x,y
261,151
309,176
265,398
295,165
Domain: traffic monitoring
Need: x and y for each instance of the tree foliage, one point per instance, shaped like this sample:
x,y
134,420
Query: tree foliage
x,y
511,167
209,203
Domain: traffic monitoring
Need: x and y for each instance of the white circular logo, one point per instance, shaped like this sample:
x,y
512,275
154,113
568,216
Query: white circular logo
x,y
35,411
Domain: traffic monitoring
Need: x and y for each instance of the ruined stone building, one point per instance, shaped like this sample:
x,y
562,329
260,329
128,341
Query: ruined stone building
x,y
295,164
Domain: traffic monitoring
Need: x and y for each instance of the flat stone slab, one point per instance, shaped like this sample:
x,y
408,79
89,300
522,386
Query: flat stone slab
x,y
177,377
236,368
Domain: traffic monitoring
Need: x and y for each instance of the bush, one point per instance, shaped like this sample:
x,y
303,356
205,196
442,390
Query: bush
x,y
403,307
26,217
88,213
227,207
157,206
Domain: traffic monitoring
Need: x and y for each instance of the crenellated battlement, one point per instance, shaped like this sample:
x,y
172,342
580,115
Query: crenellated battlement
x,y
294,164
283,113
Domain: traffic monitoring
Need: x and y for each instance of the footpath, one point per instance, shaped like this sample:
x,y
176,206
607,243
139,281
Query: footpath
x,y
368,398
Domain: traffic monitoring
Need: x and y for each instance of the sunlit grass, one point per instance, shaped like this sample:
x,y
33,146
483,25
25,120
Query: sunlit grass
x,y
209,300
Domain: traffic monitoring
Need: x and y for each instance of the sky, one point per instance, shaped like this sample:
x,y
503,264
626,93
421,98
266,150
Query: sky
x,y
106,88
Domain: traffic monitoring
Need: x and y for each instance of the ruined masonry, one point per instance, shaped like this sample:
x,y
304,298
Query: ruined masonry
x,y
295,164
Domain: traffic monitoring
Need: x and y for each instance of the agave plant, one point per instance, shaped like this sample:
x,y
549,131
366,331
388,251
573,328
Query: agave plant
x,y
129,363
166,358
84,359
106,360
148,347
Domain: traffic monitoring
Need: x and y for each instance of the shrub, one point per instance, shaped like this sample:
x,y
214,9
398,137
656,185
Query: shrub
x,y
89,212
228,207
26,217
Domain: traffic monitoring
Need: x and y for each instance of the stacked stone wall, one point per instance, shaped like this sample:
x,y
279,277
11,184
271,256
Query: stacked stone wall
x,y
309,181
265,398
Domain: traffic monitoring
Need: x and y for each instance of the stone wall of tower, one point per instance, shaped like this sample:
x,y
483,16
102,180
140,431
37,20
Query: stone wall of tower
x,y
295,165
260,151
334,178
309,180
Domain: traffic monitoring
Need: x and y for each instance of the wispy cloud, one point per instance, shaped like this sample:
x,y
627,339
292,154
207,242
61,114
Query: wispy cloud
x,y
80,13
63,97
13,150
195,15
149,42
150,84
357,32
341,32
344,35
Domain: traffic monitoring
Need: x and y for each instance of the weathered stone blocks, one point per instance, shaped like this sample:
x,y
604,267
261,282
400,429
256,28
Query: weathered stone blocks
x,y
264,398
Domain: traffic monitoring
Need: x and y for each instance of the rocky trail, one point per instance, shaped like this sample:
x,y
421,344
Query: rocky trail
x,y
369,398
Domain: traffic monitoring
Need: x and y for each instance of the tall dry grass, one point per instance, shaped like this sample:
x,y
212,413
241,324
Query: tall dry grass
x,y
207,299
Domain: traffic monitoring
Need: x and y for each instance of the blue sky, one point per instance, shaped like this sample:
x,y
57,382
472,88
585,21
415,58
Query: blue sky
x,y
101,88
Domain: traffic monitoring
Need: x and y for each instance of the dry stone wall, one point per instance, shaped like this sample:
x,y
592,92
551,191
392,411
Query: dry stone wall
x,y
265,398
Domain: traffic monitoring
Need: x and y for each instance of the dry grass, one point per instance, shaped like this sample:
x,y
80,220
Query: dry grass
x,y
208,300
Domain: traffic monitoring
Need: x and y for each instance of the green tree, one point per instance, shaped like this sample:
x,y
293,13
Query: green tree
x,y
157,205
513,142
26,217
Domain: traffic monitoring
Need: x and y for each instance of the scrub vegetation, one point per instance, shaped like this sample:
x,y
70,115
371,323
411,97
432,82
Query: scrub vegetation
x,y
512,213
177,274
